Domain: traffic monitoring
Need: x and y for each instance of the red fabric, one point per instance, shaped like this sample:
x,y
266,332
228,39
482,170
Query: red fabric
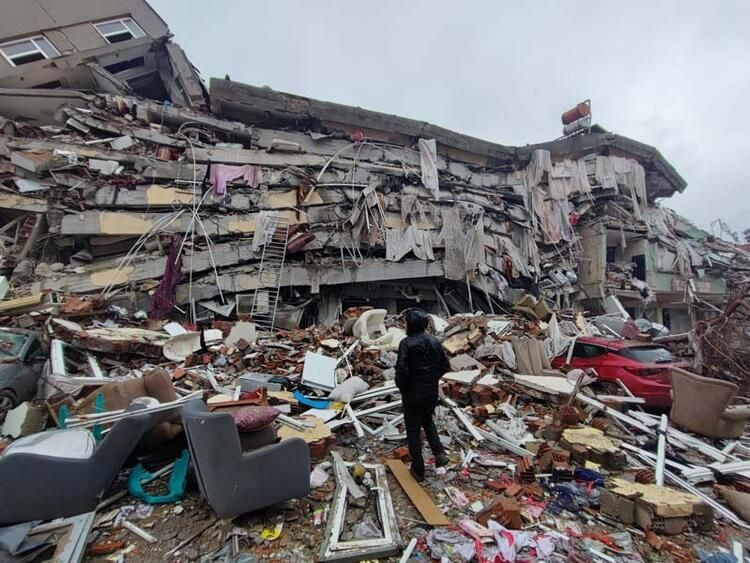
x,y
163,299
250,419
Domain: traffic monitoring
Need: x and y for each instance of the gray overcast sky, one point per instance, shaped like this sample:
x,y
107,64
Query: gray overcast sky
x,y
673,74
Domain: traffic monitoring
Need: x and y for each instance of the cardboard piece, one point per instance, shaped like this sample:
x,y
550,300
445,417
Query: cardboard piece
x,y
309,435
418,496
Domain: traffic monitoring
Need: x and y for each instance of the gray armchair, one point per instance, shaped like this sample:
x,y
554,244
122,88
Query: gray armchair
x,y
234,482
62,473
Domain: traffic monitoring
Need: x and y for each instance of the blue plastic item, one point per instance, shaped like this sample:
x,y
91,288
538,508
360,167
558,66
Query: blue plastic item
x,y
139,475
312,403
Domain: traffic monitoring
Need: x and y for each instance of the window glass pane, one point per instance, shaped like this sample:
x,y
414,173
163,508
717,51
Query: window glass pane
x,y
134,27
117,37
46,47
11,343
30,58
21,47
111,28
648,354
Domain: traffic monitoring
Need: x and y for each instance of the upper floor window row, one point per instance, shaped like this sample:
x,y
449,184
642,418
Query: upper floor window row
x,y
28,50
24,51
118,30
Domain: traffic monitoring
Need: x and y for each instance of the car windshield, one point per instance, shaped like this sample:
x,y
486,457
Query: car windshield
x,y
648,354
11,344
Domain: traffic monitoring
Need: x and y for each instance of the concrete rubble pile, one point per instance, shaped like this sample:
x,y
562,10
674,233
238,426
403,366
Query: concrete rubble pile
x,y
544,464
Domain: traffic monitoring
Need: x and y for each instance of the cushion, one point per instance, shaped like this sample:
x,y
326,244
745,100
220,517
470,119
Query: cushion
x,y
250,419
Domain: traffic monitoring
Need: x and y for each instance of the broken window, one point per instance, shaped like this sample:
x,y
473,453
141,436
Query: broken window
x,y
28,50
640,267
581,350
115,31
648,354
11,344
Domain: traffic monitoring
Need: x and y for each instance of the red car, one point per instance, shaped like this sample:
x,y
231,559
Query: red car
x,y
642,367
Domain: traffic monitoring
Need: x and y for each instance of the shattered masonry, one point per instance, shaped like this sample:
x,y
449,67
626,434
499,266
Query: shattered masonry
x,y
572,220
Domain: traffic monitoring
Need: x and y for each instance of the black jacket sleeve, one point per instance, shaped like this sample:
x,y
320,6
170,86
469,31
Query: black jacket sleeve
x,y
444,364
402,364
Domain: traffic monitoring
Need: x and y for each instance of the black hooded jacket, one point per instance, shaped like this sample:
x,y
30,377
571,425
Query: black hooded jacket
x,y
421,359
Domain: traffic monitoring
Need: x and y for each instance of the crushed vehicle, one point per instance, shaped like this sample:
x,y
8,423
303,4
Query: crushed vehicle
x,y
641,366
22,358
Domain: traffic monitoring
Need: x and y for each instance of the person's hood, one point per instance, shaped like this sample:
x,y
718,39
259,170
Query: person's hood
x,y
416,321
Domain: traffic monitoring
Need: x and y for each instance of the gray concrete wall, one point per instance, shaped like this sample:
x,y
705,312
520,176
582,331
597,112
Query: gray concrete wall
x,y
66,23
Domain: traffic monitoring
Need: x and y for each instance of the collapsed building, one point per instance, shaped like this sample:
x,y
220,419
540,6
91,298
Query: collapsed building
x,y
136,206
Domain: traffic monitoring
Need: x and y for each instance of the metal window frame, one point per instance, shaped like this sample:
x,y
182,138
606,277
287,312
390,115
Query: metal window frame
x,y
333,549
36,49
126,22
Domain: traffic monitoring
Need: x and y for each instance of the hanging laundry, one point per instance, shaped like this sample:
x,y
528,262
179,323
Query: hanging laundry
x,y
222,174
428,161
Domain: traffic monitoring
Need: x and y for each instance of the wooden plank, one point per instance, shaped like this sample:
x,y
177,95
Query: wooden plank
x,y
418,496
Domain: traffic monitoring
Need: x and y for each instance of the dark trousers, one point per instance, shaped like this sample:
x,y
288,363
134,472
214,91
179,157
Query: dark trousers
x,y
417,415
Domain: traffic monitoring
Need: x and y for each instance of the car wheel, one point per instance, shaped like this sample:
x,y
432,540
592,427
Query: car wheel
x,y
7,402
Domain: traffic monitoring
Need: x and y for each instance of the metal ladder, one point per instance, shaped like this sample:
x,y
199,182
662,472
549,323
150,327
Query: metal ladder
x,y
266,298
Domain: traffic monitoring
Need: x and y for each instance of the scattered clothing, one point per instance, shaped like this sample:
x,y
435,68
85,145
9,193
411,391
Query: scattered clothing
x,y
222,174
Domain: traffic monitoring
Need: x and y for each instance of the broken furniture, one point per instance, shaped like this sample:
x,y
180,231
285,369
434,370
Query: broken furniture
x,y
336,549
701,405
370,328
62,473
233,482
177,478
157,384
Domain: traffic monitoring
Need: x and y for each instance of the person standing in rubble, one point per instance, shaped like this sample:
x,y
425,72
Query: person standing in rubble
x,y
420,365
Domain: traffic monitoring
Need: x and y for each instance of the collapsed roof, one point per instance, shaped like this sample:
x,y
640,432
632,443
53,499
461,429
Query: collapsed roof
x,y
368,207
